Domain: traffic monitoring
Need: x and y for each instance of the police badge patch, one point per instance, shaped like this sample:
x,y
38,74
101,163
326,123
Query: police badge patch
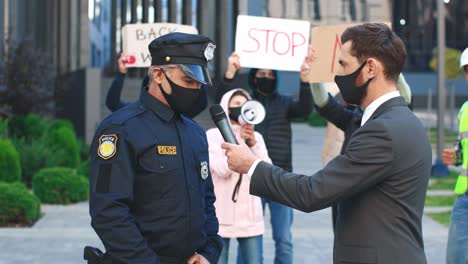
x,y
204,169
107,146
209,51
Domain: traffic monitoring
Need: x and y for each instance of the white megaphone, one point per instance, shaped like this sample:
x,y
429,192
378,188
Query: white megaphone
x,y
252,112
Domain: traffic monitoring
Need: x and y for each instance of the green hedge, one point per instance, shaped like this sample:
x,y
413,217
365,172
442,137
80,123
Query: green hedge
x,y
28,126
83,169
17,205
10,166
64,145
60,185
316,120
35,155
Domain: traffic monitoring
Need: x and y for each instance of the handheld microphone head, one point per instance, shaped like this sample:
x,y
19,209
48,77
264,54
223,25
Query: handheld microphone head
x,y
222,123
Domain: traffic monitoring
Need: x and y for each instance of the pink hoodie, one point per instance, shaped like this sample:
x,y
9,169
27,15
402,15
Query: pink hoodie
x,y
245,217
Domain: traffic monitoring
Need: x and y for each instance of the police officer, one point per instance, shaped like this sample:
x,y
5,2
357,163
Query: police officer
x,y
152,195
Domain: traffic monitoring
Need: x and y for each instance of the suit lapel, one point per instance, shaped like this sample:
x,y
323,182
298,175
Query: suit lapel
x,y
396,101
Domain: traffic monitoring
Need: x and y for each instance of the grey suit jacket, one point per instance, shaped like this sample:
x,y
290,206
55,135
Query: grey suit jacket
x,y
379,185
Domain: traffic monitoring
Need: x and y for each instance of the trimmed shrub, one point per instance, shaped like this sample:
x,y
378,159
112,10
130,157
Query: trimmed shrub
x,y
17,205
63,143
60,185
3,128
84,150
28,126
10,167
59,123
35,155
83,169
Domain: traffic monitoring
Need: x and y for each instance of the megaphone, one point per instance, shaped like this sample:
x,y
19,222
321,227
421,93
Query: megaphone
x,y
252,112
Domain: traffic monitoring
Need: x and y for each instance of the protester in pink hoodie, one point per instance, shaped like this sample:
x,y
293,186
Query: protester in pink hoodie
x,y
240,214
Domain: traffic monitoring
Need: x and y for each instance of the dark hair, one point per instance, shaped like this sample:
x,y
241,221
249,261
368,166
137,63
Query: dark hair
x,y
379,41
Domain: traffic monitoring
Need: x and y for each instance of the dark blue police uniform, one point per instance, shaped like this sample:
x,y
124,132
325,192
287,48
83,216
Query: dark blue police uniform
x,y
152,198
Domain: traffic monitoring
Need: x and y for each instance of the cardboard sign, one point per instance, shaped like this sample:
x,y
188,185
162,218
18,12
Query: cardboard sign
x,y
271,43
326,41
136,38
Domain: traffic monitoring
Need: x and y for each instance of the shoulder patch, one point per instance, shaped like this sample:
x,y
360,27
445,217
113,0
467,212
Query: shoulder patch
x,y
107,146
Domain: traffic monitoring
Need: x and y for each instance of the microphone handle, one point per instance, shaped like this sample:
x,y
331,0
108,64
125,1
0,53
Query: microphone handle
x,y
226,133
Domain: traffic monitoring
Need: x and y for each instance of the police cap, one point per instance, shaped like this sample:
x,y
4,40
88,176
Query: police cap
x,y
191,53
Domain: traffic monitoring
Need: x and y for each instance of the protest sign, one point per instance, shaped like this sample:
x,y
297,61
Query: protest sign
x,y
271,43
136,38
326,40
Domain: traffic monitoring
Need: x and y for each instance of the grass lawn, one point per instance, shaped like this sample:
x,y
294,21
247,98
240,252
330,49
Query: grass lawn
x,y
449,137
440,200
441,218
445,183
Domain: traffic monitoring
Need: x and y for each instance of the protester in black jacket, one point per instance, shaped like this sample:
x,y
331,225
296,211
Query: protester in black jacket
x,y
276,131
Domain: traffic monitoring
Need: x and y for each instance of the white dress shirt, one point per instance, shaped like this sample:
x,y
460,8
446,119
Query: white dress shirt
x,y
376,103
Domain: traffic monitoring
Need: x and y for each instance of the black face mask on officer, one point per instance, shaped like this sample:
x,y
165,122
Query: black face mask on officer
x,y
347,84
265,85
181,99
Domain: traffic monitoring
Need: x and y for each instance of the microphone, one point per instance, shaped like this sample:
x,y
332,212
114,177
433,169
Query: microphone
x,y
222,123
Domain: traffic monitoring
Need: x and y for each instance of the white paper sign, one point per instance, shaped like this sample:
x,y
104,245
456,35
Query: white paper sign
x,y
137,37
272,43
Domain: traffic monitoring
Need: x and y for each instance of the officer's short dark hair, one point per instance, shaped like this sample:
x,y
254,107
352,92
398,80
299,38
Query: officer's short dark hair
x,y
377,40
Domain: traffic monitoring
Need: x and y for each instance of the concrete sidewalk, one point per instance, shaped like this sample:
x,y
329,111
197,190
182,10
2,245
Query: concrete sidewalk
x,y
60,235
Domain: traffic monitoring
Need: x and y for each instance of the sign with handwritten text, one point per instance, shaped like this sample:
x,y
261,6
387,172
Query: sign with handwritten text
x,y
326,40
137,37
271,43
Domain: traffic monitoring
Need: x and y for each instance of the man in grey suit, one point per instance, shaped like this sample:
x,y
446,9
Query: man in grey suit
x,y
379,183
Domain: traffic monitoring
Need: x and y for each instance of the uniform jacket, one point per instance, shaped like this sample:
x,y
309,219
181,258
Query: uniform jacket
x,y
280,109
153,198
245,217
379,185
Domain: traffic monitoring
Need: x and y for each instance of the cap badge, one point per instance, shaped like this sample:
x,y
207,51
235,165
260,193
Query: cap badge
x,y
107,146
204,169
209,51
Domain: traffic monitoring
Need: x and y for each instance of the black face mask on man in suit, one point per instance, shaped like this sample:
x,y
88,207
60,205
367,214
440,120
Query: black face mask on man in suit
x,y
347,84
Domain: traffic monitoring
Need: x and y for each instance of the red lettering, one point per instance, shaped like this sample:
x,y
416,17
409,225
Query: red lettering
x,y
274,43
294,34
252,37
337,44
267,35
278,41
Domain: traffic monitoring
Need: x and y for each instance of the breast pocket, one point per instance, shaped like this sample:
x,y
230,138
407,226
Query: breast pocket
x,y
158,175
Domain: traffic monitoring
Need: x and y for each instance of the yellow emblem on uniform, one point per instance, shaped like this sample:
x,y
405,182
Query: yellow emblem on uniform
x,y
167,150
107,146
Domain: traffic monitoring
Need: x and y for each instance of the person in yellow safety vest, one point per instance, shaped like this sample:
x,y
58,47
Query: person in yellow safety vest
x,y
457,245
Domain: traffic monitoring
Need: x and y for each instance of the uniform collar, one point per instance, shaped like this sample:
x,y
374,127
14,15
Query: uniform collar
x,y
160,109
